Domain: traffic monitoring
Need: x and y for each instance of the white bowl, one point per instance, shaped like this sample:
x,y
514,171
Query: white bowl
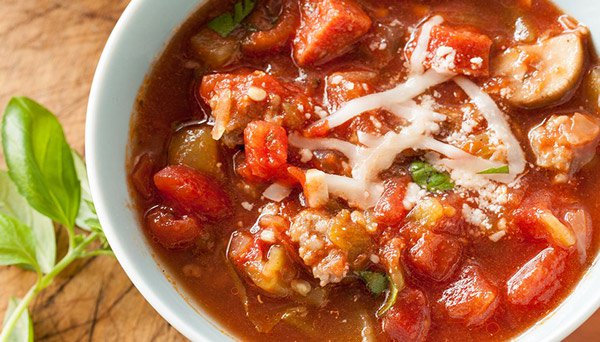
x,y
137,39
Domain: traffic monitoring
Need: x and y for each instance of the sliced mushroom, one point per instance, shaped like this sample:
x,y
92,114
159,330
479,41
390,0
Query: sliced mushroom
x,y
544,73
592,88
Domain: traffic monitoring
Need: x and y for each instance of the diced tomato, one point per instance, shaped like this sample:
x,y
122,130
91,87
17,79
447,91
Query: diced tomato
x,y
462,50
266,148
245,247
277,38
538,216
330,161
170,231
238,98
141,175
342,87
409,319
328,29
472,298
525,215
390,209
538,280
435,256
192,192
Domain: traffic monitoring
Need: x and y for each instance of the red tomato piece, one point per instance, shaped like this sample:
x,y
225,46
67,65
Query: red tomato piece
x,y
192,192
328,29
462,50
390,209
472,298
170,231
538,280
237,99
266,147
435,256
409,319
277,38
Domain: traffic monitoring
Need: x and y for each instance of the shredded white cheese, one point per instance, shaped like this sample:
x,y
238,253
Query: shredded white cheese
x,y
420,52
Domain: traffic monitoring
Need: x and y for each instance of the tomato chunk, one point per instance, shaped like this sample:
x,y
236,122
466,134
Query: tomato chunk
x,y
472,298
435,256
328,29
538,280
266,148
342,87
238,98
170,231
461,50
390,209
192,192
409,319
279,36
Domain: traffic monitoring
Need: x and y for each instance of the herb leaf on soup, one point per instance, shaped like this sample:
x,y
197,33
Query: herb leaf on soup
x,y
225,23
428,177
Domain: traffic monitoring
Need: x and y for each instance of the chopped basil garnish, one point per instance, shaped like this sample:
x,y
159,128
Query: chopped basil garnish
x,y
227,22
427,177
376,282
495,170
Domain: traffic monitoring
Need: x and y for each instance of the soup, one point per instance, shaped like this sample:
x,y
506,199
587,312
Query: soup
x,y
372,170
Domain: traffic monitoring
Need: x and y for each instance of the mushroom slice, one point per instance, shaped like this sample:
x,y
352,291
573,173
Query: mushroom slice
x,y
544,73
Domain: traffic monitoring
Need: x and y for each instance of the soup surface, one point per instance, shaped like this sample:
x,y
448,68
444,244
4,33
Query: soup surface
x,y
372,170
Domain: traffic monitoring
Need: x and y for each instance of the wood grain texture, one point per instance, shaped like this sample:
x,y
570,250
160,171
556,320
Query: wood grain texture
x,y
49,51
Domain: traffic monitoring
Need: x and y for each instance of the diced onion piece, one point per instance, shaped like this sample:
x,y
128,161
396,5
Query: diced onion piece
x,y
222,114
277,192
315,188
580,222
559,233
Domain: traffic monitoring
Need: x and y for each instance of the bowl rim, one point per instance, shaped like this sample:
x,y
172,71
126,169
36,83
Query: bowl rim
x,y
93,142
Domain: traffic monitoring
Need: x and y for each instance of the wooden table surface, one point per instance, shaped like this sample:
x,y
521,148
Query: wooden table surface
x,y
48,51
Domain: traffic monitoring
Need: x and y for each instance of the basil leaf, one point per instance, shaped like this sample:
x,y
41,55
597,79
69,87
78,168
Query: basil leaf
x,y
23,330
17,243
390,300
427,177
495,170
15,205
39,160
87,212
376,282
225,23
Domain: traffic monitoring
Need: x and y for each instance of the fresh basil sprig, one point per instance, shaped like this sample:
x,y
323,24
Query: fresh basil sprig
x,y
46,181
23,331
227,22
39,160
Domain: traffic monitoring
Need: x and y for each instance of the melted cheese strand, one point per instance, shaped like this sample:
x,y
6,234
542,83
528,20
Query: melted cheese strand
x,y
414,85
420,52
348,149
358,193
382,156
497,122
